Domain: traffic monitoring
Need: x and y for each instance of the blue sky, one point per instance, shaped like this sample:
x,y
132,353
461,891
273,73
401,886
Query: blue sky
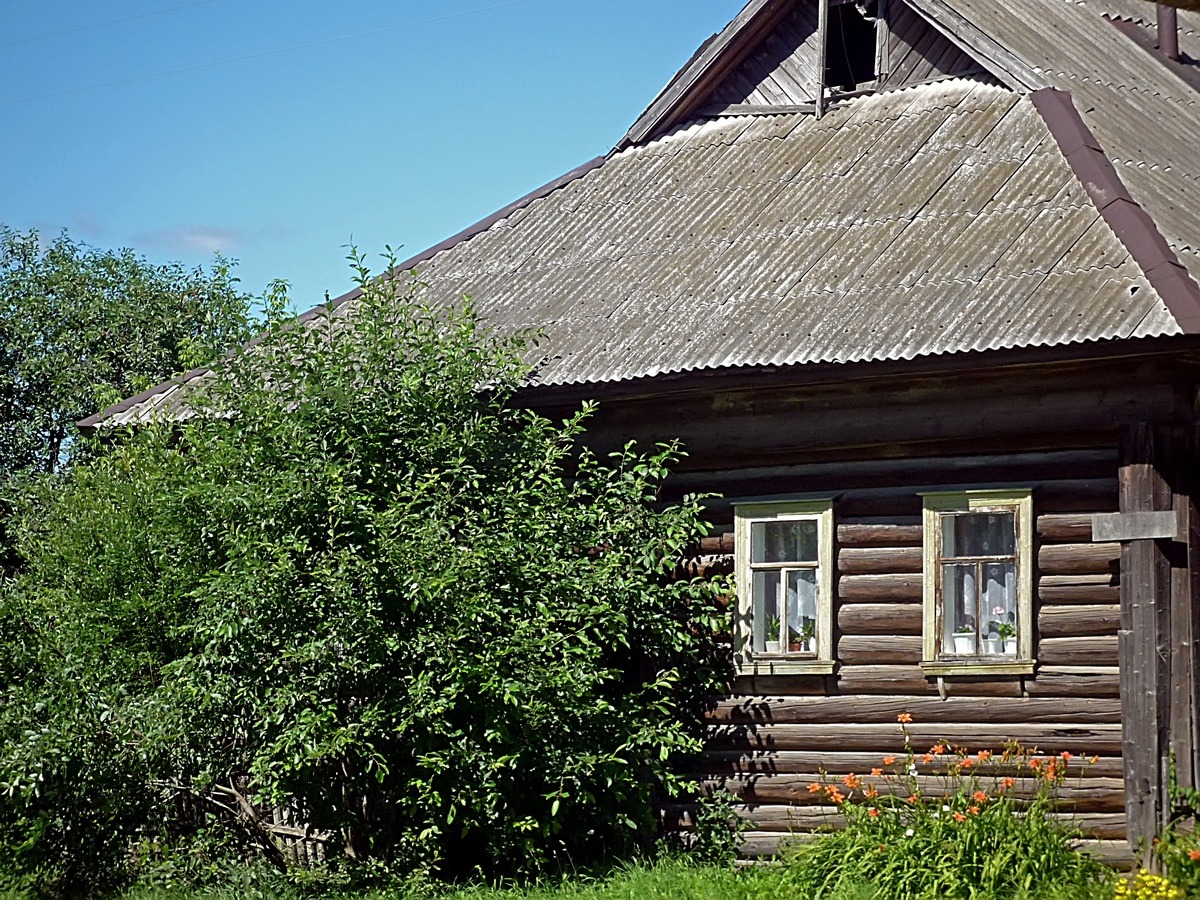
x,y
180,130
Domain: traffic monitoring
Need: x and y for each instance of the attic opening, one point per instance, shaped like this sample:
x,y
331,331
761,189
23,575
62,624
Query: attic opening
x,y
851,45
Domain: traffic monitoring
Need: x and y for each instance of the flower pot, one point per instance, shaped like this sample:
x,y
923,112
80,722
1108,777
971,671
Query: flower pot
x,y
1010,647
796,647
993,647
774,646
964,644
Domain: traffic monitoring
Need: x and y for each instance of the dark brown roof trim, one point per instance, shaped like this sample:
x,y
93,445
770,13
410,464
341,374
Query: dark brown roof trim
x,y
1131,224
94,421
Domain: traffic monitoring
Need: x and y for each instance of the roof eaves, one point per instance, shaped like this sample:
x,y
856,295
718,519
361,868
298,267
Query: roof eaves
x,y
1132,225
93,422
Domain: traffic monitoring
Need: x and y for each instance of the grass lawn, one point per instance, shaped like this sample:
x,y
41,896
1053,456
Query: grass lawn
x,y
665,881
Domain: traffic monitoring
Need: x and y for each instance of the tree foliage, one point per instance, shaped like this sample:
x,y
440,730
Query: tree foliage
x,y
81,328
363,582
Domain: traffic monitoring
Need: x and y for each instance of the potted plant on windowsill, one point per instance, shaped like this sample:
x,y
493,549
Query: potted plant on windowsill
x,y
773,646
1008,634
804,640
993,643
964,640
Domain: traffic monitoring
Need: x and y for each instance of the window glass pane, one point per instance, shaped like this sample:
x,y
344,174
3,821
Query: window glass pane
x,y
1000,608
802,610
959,606
979,534
777,542
767,621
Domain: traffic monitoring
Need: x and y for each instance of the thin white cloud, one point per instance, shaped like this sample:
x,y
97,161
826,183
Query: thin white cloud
x,y
194,239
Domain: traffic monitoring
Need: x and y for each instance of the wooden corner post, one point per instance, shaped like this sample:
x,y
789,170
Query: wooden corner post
x,y
1144,639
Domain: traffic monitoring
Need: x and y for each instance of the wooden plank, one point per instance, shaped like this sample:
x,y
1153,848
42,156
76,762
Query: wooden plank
x,y
1143,640
880,560
1078,651
1185,625
880,618
879,535
1135,526
884,710
879,650
1079,559
1050,738
798,762
1085,620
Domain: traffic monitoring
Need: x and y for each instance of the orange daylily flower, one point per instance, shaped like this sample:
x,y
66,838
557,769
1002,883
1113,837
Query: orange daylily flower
x,y
1066,756
876,773
912,798
1008,782
814,788
959,817
927,758
871,793
888,760
984,755
873,812
937,749
979,797
973,810
1194,855
967,763
852,781
837,796
904,718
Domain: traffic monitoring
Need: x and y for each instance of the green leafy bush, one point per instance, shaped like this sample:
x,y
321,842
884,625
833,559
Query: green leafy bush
x,y
981,828
359,580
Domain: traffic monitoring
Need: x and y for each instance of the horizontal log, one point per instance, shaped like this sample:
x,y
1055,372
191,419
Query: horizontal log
x,y
1074,528
877,588
795,762
1078,651
880,560
761,845
779,818
1075,682
879,535
1079,559
1049,738
892,680
706,566
1089,794
879,650
881,618
1074,589
884,710
717,544
1084,620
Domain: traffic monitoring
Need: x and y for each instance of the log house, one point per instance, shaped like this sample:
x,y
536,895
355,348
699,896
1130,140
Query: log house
x,y
915,283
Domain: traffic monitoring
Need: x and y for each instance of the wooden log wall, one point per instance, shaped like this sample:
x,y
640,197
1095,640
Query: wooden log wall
x,y
772,738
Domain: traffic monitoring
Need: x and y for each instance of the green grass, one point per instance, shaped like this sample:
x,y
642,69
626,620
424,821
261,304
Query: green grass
x,y
668,880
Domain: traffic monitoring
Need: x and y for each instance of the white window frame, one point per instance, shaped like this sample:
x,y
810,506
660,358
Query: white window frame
x,y
747,514
1020,502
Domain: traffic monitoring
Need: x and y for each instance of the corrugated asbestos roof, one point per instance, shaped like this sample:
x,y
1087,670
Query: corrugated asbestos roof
x,y
1146,117
937,219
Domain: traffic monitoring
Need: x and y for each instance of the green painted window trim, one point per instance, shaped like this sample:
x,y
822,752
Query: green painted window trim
x,y
933,662
764,511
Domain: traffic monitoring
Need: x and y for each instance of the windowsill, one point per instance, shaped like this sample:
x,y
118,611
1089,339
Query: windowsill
x,y
787,667
969,667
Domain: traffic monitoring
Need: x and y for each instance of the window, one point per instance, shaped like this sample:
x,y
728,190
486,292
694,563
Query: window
x,y
784,568
978,583
852,45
